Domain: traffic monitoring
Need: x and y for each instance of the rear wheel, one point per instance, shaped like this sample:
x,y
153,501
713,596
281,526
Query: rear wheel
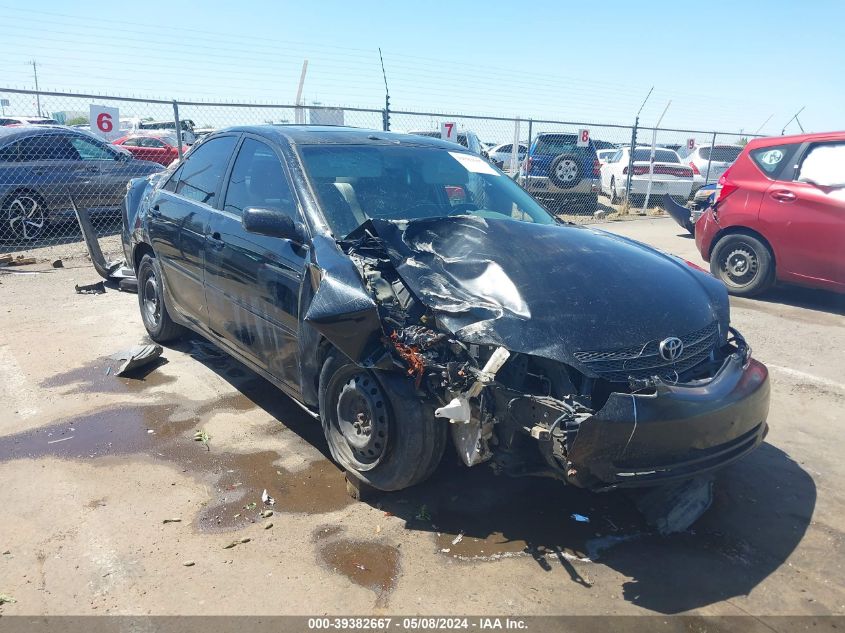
x,y
376,427
24,217
154,313
744,264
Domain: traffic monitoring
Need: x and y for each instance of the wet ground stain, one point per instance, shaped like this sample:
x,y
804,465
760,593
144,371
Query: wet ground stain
x,y
98,376
165,431
374,566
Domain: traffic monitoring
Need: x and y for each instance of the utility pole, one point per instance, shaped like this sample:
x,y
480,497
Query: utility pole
x,y
757,131
633,147
385,117
37,95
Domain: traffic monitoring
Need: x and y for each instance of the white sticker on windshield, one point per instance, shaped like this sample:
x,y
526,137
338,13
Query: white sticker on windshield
x,y
473,163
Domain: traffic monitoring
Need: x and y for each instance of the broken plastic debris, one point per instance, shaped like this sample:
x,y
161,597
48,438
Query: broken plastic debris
x,y
189,563
580,518
457,410
137,357
266,514
173,520
4,598
458,538
267,526
267,499
91,289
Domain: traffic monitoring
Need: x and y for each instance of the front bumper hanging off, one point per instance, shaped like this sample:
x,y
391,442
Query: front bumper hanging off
x,y
677,432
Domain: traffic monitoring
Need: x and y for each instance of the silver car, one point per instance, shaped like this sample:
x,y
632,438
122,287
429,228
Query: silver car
x,y
719,158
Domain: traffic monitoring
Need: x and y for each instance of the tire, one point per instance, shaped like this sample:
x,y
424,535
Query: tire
x,y
565,171
376,427
24,217
744,264
614,197
151,301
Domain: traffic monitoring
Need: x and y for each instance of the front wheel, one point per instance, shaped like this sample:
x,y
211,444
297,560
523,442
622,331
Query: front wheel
x,y
744,264
376,427
154,313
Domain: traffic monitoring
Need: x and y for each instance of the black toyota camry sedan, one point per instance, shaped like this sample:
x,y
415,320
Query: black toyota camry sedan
x,y
404,290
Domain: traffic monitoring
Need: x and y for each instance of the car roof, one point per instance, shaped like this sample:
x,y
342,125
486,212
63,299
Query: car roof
x,y
796,138
338,135
11,133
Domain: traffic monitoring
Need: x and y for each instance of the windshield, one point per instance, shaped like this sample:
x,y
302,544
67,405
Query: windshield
x,y
660,156
721,154
553,144
358,182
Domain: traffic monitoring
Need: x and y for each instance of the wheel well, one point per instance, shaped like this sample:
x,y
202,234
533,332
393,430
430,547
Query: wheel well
x,y
142,249
741,230
23,190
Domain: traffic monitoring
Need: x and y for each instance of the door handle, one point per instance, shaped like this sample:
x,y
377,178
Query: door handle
x,y
782,195
215,241
155,212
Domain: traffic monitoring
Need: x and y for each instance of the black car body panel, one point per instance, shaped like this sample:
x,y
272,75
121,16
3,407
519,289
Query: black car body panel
x,y
581,314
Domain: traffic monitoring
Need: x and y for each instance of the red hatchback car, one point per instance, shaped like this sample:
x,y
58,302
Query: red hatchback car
x,y
158,149
779,215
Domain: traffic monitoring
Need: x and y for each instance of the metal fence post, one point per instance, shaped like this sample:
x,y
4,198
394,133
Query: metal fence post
x,y
178,128
631,159
712,145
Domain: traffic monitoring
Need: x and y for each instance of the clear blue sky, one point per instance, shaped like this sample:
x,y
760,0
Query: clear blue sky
x,y
724,65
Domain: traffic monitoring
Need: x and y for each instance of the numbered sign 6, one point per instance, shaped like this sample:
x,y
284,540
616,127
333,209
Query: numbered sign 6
x,y
105,122
583,138
449,131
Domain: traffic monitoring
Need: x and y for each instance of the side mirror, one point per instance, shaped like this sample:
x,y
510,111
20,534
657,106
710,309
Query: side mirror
x,y
273,223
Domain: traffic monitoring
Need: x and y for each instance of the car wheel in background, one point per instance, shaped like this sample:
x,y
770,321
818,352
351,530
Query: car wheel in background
x,y
24,217
565,171
376,427
743,263
154,313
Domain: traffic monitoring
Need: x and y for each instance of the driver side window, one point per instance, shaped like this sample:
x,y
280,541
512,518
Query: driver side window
x,y
89,150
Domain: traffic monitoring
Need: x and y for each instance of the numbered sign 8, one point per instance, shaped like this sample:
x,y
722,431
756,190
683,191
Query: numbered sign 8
x,y
105,121
583,138
449,131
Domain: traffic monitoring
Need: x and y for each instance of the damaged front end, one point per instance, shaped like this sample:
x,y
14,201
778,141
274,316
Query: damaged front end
x,y
500,355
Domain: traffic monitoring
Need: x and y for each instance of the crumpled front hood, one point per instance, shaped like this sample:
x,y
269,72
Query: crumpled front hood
x,y
546,290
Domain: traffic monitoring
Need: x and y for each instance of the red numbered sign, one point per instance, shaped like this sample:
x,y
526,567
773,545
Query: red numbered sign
x,y
583,138
449,131
105,122
690,144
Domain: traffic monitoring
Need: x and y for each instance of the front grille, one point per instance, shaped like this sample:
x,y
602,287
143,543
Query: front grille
x,y
644,361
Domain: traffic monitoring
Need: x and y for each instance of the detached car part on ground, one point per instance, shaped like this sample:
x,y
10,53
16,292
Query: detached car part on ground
x,y
359,283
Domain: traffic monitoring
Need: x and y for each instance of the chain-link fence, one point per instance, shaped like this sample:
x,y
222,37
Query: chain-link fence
x,y
59,150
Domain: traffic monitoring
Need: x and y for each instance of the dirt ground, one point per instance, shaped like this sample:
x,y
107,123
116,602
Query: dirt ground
x,y
108,504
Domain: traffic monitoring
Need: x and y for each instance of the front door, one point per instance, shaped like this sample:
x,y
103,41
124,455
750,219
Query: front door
x,y
253,281
178,217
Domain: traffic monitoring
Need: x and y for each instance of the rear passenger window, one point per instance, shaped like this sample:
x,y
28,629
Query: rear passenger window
x,y
258,180
204,168
773,160
824,165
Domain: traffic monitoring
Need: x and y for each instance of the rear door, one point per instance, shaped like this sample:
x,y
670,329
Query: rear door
x,y
810,212
177,220
51,166
253,281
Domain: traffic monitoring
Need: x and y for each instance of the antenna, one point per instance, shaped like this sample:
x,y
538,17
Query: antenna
x,y
764,124
644,100
794,118
386,113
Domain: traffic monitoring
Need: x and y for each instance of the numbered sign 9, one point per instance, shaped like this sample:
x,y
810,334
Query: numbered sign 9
x,y
583,138
105,122
690,144
449,131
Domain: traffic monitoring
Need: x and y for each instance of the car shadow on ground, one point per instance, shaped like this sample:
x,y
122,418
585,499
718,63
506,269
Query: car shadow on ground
x,y
799,297
762,507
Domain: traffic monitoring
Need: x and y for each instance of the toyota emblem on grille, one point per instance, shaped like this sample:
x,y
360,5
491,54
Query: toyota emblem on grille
x,y
671,348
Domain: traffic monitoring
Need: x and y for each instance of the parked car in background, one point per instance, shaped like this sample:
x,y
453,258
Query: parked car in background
x,y
779,215
600,144
500,155
187,126
466,138
43,167
201,132
158,148
719,158
26,120
335,263
605,154
669,175
562,175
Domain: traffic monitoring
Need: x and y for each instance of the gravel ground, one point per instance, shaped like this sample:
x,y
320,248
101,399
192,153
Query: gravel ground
x,y
95,468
